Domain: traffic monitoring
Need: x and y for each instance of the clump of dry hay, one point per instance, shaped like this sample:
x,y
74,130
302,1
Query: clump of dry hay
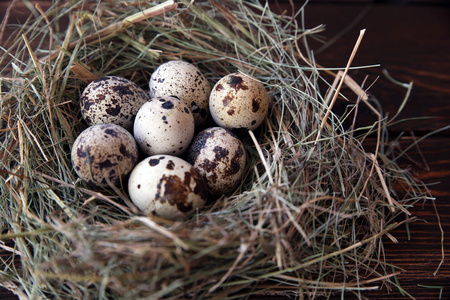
x,y
307,219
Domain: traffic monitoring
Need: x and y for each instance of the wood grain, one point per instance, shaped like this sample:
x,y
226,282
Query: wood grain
x,y
412,42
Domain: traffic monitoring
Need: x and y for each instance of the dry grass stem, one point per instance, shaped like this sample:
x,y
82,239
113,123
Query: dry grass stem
x,y
341,82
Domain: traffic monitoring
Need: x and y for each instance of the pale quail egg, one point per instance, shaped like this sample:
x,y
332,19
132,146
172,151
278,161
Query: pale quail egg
x,y
164,125
167,186
185,81
219,156
238,102
104,151
112,99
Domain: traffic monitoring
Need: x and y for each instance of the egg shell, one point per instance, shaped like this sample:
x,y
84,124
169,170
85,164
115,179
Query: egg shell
x,y
185,81
219,156
167,186
104,151
164,125
112,99
238,102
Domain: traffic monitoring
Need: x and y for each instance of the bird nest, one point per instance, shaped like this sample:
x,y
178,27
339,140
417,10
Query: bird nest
x,y
308,217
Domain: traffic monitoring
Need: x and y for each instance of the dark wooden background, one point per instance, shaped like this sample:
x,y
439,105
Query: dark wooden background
x,y
411,39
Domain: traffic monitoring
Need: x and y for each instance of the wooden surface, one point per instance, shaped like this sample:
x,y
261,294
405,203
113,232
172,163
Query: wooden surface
x,y
412,41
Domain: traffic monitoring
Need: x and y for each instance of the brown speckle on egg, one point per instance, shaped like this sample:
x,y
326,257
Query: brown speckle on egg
x,y
153,162
170,165
175,193
236,82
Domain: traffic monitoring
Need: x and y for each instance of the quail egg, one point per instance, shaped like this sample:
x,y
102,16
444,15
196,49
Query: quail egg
x,y
238,102
104,151
167,186
164,125
219,156
185,81
112,99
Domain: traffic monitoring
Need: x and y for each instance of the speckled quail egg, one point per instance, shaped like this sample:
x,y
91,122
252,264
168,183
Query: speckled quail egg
x,y
185,81
164,125
167,186
238,102
112,99
104,151
219,156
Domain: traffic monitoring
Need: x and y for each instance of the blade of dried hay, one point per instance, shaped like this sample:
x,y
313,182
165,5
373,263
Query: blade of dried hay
x,y
341,82
261,155
82,73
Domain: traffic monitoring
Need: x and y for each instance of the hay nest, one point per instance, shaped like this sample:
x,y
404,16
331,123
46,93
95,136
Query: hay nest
x,y
308,217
